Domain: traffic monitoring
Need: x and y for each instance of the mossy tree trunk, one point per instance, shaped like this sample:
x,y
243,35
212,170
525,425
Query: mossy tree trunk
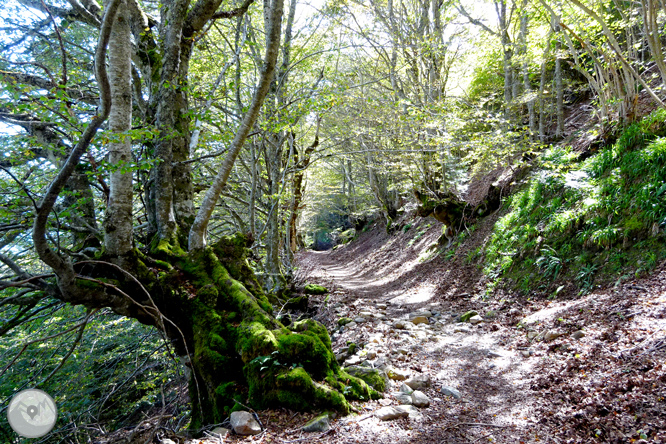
x,y
221,322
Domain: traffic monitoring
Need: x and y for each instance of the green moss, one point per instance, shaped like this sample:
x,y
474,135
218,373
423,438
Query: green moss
x,y
344,321
314,289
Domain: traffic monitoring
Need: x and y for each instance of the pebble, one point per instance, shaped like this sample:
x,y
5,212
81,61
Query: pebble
x,y
450,391
419,320
578,334
461,329
476,319
551,335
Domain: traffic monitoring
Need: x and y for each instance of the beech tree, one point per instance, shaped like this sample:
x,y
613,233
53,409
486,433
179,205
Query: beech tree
x,y
200,292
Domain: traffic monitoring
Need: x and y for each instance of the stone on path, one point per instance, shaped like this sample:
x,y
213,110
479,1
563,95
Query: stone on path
x,y
476,319
403,398
420,400
243,423
398,374
220,431
389,413
319,424
412,411
419,381
461,329
419,320
578,334
404,388
450,391
551,335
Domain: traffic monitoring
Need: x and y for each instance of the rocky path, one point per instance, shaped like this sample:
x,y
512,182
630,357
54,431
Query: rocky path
x,y
474,385
465,366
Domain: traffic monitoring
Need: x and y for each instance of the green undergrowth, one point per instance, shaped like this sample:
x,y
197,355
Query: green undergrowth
x,y
578,224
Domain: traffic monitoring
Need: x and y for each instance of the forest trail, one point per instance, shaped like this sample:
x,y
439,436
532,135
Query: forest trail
x,y
528,371
478,388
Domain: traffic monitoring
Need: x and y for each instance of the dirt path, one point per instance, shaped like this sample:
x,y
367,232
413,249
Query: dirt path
x,y
585,370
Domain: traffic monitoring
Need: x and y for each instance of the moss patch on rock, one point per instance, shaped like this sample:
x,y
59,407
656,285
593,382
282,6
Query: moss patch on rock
x,y
314,289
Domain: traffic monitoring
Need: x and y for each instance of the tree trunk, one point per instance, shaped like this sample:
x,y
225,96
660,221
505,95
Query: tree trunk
x,y
118,233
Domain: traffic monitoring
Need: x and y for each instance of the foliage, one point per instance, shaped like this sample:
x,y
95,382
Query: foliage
x,y
580,218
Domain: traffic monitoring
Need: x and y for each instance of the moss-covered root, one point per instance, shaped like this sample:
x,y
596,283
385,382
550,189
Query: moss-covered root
x,y
241,352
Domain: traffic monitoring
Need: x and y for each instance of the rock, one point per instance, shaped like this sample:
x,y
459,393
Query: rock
x,y
461,329
319,424
402,351
381,305
420,400
389,413
243,423
468,315
398,374
476,319
578,334
374,377
366,314
360,320
419,320
403,398
372,354
551,335
531,335
425,313
412,411
493,354
221,431
525,353
399,324
419,381
353,360
404,388
491,314
344,321
314,289
450,391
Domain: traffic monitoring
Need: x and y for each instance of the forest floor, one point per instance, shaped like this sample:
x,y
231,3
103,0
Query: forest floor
x,y
584,369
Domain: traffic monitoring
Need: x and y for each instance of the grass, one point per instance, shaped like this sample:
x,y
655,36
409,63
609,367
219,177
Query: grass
x,y
586,222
